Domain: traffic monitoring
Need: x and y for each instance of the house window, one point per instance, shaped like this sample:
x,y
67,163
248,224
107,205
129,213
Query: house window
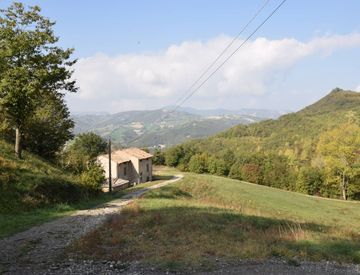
x,y
147,167
124,171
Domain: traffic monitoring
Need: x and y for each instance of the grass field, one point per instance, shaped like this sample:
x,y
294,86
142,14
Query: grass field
x,y
203,218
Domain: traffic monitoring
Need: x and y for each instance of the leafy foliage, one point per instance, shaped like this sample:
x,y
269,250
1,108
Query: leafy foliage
x,y
340,152
49,129
81,154
158,157
310,180
301,151
93,177
32,67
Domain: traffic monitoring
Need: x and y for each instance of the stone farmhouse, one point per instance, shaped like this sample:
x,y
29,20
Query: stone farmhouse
x,y
128,166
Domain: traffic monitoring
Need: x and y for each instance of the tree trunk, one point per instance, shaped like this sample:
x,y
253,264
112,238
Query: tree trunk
x,y
343,187
344,194
18,149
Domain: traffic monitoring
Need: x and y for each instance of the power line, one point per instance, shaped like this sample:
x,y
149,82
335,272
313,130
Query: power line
x,y
231,55
224,50
221,64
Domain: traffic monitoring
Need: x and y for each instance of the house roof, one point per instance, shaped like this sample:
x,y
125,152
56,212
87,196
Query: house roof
x,y
118,158
121,156
138,153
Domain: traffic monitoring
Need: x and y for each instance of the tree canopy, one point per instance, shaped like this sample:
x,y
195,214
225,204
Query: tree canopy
x,y
32,66
340,152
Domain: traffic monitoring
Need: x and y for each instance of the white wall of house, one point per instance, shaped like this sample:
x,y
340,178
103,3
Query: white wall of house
x,y
104,162
145,170
134,170
124,170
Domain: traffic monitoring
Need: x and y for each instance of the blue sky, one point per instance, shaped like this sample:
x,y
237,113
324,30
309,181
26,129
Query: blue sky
x,y
135,36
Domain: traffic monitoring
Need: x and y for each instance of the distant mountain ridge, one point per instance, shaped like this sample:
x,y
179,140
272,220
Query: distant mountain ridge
x,y
165,126
259,113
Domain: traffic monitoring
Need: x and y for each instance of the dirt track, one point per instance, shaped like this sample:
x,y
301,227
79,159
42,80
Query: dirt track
x,y
35,250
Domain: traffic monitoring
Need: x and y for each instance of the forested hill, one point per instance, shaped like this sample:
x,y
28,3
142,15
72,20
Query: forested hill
x,y
310,151
303,126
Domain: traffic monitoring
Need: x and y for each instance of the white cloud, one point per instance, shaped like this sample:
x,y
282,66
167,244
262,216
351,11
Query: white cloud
x,y
138,81
357,89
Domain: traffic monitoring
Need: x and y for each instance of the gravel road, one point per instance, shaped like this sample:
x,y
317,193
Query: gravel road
x,y
34,250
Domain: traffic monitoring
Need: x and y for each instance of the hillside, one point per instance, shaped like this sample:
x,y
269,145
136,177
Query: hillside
x,y
32,183
191,130
293,134
204,220
177,126
282,153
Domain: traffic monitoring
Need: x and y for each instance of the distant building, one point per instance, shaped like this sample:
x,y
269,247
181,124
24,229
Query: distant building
x,y
128,166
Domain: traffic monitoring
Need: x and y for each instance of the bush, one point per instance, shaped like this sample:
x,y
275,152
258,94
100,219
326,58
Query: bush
x,y
93,177
80,155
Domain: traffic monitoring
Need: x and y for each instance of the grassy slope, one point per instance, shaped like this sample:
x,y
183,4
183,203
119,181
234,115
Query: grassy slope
x,y
206,217
23,184
13,222
32,182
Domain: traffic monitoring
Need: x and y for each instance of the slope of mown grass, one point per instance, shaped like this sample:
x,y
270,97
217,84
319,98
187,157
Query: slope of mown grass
x,y
202,218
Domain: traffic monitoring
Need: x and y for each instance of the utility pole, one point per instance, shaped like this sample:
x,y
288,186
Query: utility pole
x,y
110,178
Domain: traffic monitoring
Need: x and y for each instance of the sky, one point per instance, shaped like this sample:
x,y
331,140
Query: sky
x,y
135,55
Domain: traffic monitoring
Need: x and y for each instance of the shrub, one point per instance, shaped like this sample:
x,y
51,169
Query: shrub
x,y
93,177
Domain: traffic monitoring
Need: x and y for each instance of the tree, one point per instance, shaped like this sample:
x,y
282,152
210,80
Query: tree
x,y
158,157
93,177
199,163
217,166
31,66
173,156
277,172
49,128
340,153
309,180
81,154
251,172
